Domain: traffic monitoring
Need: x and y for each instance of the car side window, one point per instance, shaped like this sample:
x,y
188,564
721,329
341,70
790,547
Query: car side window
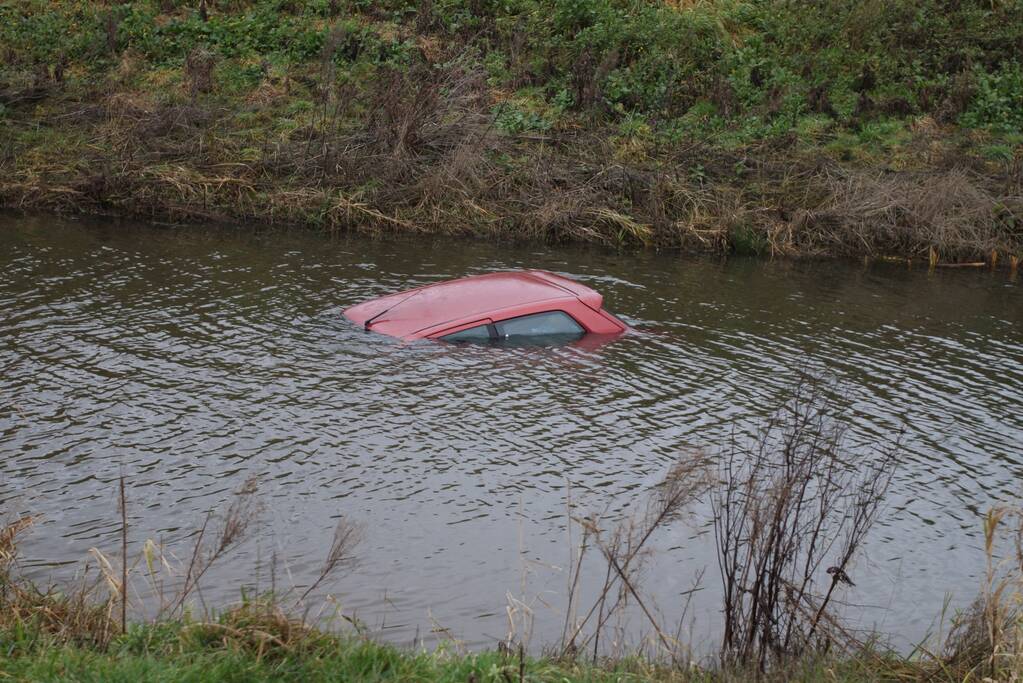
x,y
472,334
550,323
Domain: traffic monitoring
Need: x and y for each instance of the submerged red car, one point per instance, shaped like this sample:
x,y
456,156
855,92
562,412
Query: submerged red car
x,y
480,308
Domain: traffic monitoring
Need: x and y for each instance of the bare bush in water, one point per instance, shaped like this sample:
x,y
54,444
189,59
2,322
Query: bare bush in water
x,y
790,511
92,609
790,514
213,543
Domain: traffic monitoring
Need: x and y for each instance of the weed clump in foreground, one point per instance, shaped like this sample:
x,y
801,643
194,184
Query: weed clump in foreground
x,y
70,616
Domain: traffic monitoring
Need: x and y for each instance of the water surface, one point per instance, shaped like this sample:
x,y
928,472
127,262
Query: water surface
x,y
192,359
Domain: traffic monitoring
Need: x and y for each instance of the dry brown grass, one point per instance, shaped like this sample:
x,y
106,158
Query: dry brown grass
x,y
954,211
9,539
258,627
70,615
199,67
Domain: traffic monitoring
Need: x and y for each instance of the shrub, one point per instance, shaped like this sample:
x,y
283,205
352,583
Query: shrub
x,y
998,99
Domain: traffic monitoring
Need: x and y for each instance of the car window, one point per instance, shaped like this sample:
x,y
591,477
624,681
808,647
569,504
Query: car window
x,y
471,334
551,323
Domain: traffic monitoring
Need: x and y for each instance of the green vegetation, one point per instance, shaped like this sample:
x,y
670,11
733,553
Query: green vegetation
x,y
224,650
766,126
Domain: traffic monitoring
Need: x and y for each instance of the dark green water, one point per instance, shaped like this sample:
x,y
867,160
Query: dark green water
x,y
191,359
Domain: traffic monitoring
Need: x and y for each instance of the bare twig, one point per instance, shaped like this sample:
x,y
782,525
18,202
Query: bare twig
x,y
124,556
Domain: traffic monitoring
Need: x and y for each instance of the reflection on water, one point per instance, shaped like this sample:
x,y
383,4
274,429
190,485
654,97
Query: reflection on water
x,y
192,359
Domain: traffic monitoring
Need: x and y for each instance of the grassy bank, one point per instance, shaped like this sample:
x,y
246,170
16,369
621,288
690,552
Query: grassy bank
x,y
794,127
228,651
236,648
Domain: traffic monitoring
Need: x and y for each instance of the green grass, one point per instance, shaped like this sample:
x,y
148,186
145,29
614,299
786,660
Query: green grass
x,y
748,71
179,651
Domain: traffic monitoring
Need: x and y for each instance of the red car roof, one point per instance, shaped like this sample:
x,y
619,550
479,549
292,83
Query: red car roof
x,y
479,296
